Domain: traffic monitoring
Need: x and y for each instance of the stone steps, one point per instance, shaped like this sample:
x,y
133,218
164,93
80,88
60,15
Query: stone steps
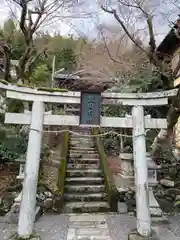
x,y
84,183
81,138
79,144
87,236
82,166
84,188
84,180
83,149
84,160
77,140
75,197
83,155
77,137
74,207
86,140
84,172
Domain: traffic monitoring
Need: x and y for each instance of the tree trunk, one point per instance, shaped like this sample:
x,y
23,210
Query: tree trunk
x,y
7,64
22,64
5,49
177,138
165,135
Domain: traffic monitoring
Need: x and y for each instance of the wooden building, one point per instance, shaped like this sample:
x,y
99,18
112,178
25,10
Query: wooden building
x,y
169,48
83,81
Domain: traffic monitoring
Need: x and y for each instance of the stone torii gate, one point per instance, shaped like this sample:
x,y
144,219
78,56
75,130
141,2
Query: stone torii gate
x,y
38,118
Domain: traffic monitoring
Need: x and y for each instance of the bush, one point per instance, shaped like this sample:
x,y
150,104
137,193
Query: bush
x,y
12,144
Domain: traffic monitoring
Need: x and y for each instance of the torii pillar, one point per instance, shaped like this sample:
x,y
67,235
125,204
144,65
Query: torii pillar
x,y
28,202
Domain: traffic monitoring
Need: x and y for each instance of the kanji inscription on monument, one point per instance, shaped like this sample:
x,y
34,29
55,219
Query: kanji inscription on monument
x,y
90,108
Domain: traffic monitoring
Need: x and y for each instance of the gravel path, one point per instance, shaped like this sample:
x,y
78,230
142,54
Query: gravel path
x,y
121,225
51,227
55,227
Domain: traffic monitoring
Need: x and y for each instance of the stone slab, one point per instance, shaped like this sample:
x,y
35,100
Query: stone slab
x,y
38,213
136,236
13,217
81,224
93,231
123,184
71,234
87,217
122,207
89,237
159,220
101,225
155,212
154,205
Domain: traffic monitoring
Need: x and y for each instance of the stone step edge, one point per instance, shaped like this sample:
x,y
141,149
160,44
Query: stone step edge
x,y
85,170
82,186
84,179
85,194
87,204
89,165
80,151
85,147
84,164
83,159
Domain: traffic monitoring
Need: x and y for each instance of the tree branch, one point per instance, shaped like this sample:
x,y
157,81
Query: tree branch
x,y
176,70
32,60
114,12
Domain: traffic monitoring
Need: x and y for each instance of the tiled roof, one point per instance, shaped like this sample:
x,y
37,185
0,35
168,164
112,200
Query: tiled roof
x,y
172,40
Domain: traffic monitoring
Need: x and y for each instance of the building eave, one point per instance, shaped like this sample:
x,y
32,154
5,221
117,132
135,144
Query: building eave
x,y
171,42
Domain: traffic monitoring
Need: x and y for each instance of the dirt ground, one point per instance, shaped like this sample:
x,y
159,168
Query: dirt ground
x,y
8,175
114,164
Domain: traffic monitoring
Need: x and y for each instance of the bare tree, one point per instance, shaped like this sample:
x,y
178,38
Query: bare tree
x,y
132,15
33,15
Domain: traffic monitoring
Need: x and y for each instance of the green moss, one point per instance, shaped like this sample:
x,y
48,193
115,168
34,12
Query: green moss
x,y
109,181
4,81
23,85
62,171
52,89
177,203
63,163
15,237
58,192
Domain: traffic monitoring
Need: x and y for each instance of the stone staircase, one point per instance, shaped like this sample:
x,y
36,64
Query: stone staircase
x,y
84,183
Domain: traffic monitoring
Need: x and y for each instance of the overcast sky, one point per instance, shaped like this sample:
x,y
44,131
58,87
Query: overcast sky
x,y
88,26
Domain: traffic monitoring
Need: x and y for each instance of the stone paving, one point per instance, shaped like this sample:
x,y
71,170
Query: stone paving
x,y
85,227
88,227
